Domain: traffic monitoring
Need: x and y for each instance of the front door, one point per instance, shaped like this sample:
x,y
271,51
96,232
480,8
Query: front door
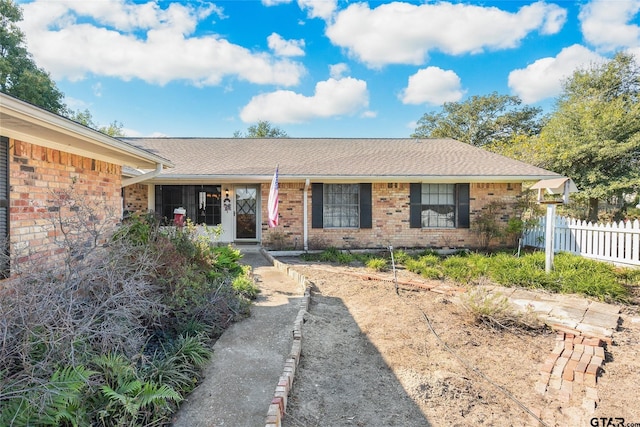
x,y
246,212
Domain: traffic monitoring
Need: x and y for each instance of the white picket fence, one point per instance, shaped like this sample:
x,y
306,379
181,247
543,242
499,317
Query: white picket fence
x,y
618,243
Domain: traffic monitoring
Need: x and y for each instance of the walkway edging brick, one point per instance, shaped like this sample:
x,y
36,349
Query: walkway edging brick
x,y
278,407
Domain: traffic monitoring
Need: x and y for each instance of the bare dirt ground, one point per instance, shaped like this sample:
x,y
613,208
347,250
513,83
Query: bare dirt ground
x,y
369,358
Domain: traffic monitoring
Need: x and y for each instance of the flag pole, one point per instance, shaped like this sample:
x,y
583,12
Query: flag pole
x,y
272,203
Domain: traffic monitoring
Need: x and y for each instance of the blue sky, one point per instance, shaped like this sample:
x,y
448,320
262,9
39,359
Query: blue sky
x,y
314,68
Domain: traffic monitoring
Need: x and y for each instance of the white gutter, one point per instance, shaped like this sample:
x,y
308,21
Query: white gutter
x,y
143,177
172,178
305,225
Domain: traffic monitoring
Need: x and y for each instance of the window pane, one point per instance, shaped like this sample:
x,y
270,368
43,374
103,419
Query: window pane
x,y
438,205
341,205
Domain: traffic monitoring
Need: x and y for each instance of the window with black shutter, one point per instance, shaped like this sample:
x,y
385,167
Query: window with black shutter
x,y
439,205
341,205
4,206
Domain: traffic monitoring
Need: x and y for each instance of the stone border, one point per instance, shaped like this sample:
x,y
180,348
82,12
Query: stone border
x,y
278,406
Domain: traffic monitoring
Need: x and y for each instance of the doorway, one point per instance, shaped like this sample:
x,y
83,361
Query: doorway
x,y
246,212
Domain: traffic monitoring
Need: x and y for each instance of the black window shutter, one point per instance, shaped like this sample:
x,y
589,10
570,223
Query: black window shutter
x,y
365,205
415,205
159,201
462,191
316,205
4,205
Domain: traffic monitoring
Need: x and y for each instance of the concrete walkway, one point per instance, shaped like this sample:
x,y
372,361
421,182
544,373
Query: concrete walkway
x,y
248,360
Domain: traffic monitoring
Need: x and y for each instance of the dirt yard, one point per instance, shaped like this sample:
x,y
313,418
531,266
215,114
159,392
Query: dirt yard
x,y
369,358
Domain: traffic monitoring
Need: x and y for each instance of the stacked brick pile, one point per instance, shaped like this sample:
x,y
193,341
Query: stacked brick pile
x,y
571,370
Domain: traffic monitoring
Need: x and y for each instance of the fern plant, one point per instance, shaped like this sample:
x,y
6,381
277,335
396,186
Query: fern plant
x,y
61,401
128,399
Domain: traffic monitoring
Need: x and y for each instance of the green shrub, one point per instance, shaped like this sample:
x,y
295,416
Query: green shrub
x,y
464,268
179,364
427,266
244,285
527,271
400,256
378,264
588,277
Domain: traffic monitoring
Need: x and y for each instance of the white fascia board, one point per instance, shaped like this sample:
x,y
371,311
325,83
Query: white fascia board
x,y
169,179
25,122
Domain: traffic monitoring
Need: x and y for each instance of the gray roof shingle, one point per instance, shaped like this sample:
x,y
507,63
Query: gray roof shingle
x,y
376,159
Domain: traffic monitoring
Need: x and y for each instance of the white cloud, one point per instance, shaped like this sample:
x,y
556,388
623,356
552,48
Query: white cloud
x,y
132,133
319,8
315,8
543,79
275,2
605,24
403,33
336,71
332,97
97,89
433,86
117,38
282,47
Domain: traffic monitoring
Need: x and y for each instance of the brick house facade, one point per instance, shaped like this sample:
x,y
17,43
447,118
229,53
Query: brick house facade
x,y
391,224
53,173
390,180
40,180
390,219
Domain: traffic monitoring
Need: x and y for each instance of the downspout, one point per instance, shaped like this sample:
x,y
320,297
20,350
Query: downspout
x,y
143,177
305,227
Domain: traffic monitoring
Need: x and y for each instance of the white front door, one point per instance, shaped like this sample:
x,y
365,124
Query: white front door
x,y
247,209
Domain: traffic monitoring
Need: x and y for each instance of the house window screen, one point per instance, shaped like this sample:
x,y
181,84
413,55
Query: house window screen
x,y
438,206
341,206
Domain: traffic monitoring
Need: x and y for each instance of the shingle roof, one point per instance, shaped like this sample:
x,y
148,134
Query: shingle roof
x,y
326,158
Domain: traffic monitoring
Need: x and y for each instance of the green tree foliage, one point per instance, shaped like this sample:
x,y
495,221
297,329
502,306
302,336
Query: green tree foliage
x,y
84,117
483,121
263,129
19,75
594,134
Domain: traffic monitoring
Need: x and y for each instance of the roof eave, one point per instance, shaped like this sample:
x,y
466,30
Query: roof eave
x,y
223,179
26,122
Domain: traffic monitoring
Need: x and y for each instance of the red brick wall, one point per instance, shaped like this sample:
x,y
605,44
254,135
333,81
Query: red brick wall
x,y
390,219
37,176
136,198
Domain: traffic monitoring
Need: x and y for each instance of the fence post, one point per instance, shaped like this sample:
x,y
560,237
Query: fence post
x,y
550,237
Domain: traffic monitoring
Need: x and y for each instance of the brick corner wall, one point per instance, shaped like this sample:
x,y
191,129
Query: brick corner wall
x,y
49,188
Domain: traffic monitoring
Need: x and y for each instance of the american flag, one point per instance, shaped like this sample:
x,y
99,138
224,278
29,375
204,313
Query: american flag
x,y
272,204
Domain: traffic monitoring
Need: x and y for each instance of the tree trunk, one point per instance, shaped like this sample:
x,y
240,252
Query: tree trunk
x,y
592,214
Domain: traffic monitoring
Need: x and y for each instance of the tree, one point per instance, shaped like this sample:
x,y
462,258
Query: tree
x,y
84,117
19,75
593,136
483,121
263,129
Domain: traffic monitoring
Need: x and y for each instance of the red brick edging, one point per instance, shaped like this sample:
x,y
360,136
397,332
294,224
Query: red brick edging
x,y
278,406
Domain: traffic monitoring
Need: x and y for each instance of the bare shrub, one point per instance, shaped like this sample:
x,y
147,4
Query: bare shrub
x,y
318,243
493,309
129,295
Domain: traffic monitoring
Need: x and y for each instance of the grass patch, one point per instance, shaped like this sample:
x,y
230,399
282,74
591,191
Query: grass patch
x,y
571,273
